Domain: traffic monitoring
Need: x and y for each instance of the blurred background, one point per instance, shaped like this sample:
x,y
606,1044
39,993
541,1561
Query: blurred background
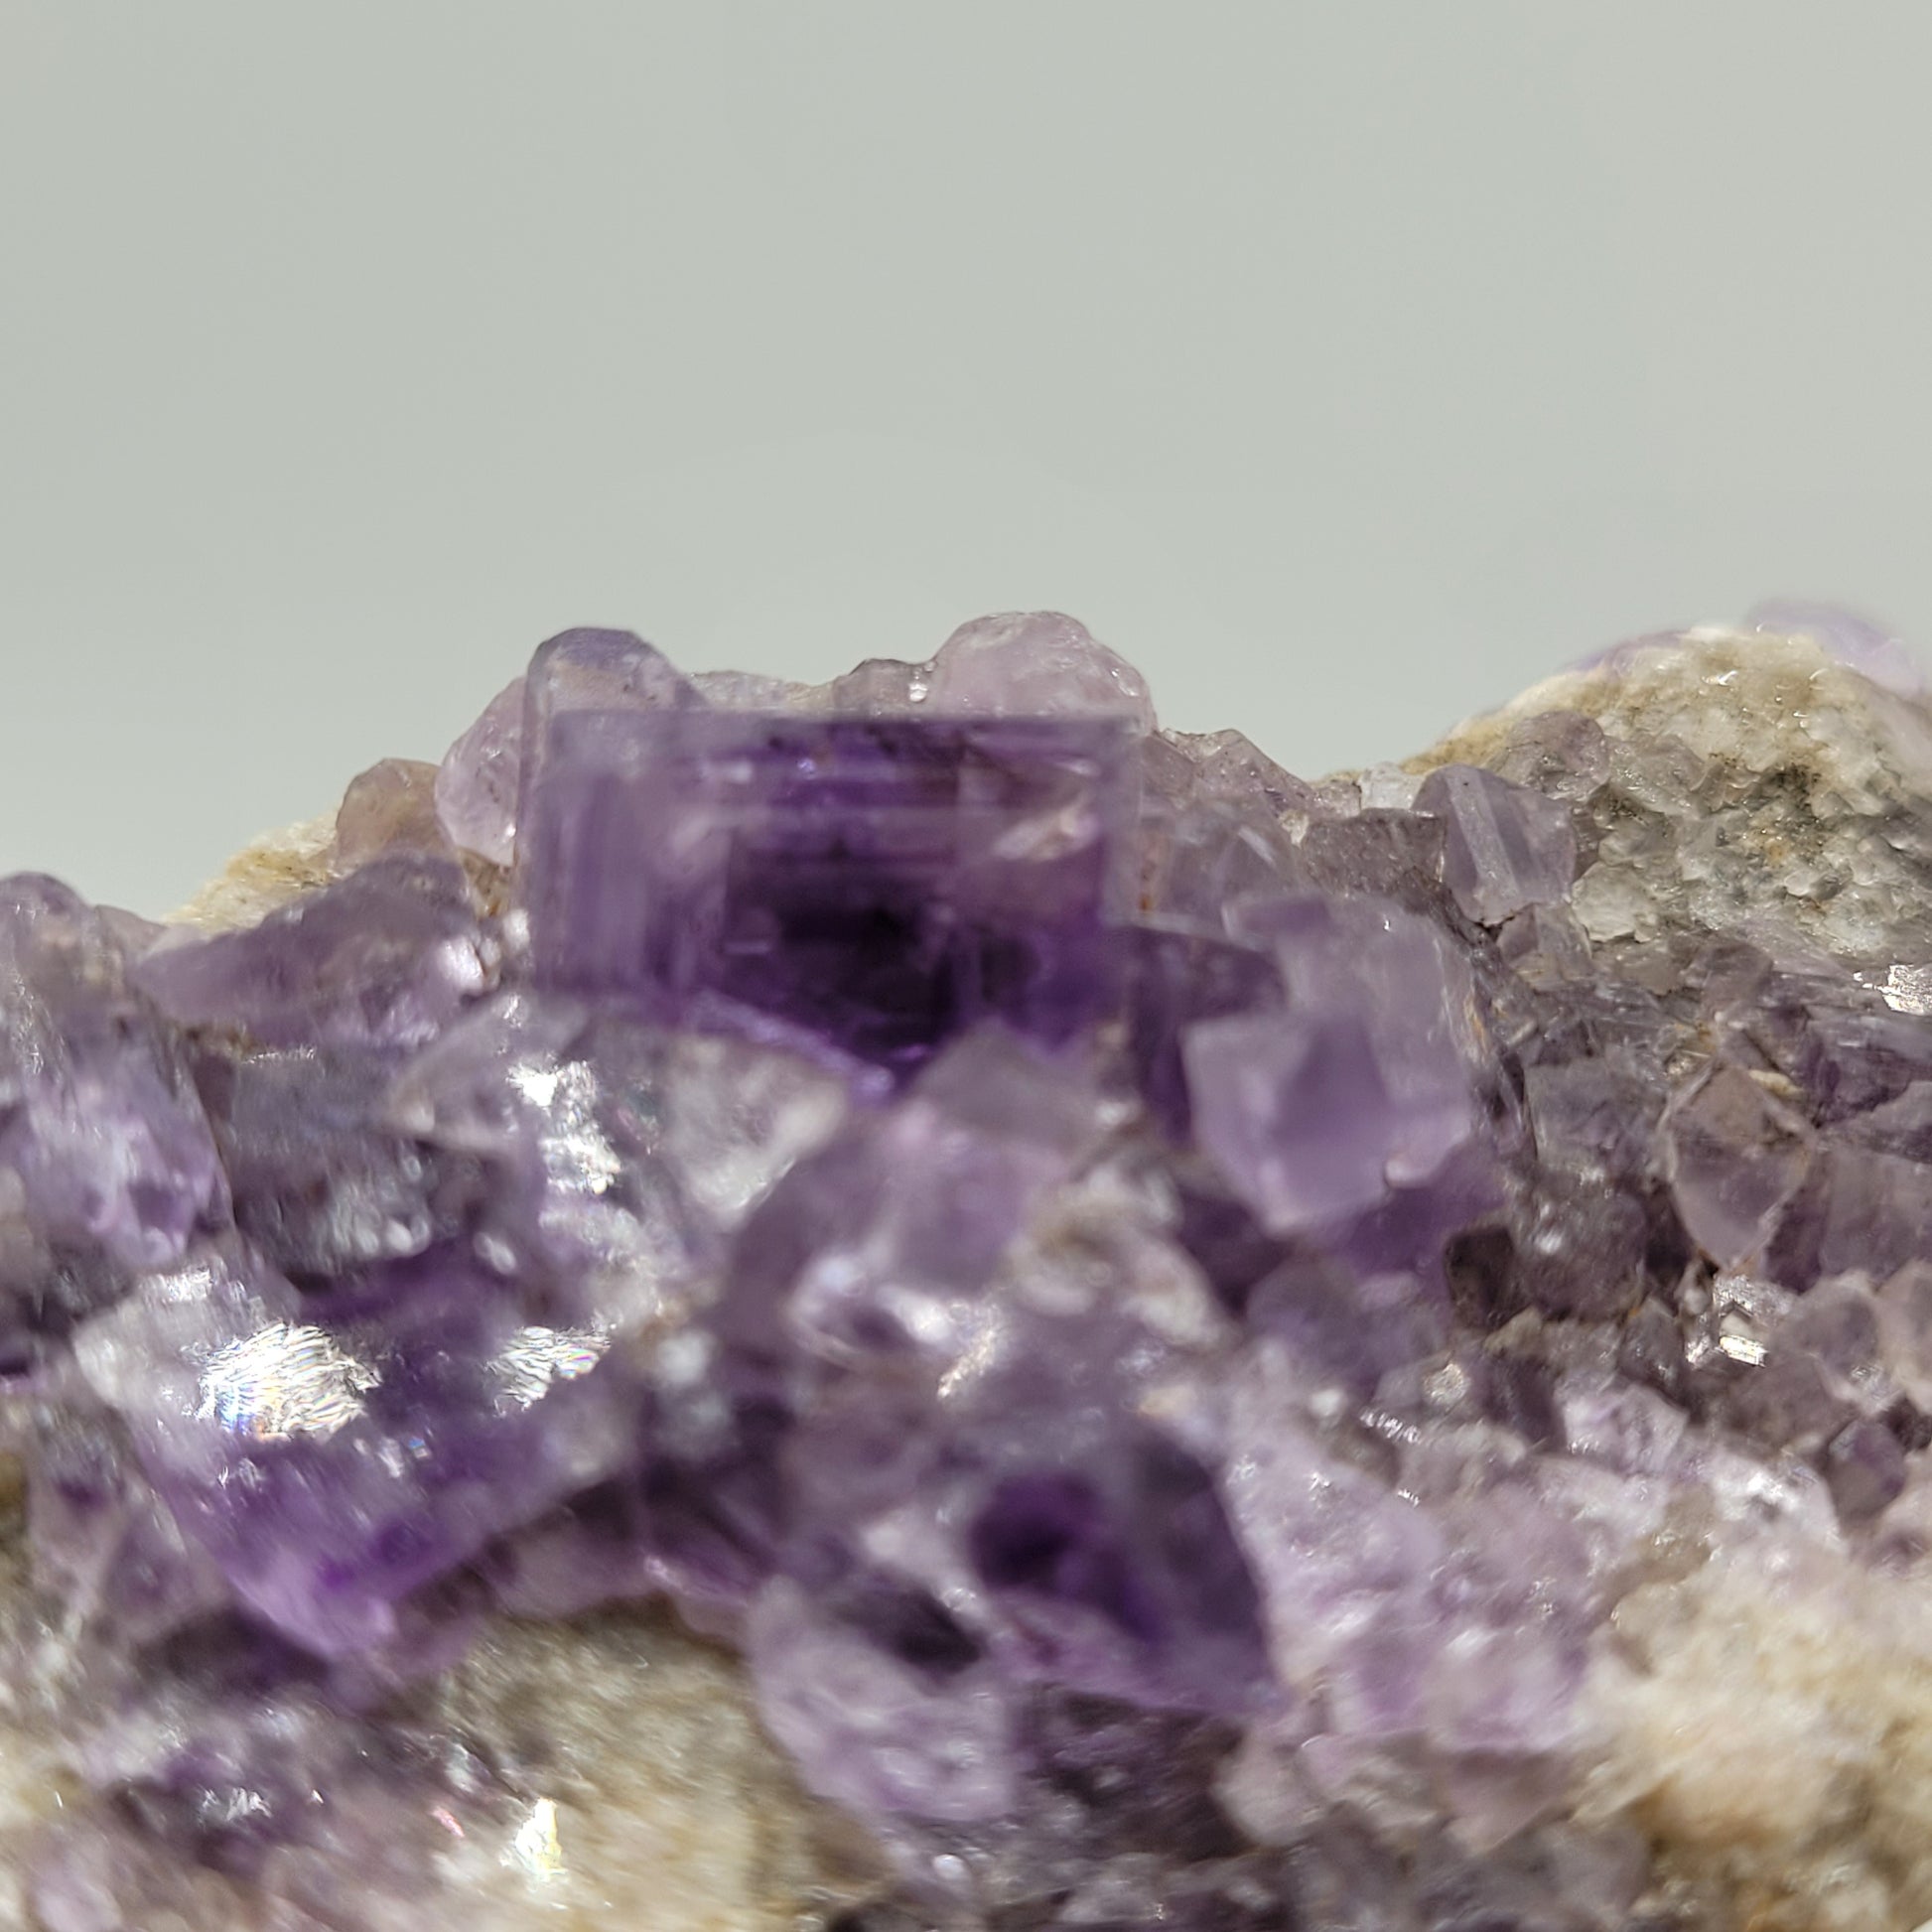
x,y
1348,366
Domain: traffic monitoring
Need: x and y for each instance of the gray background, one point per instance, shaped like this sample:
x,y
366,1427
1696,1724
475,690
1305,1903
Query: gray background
x,y
1347,365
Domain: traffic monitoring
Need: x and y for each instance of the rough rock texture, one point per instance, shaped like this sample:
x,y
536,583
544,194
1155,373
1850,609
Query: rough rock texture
x,y
268,873
1203,1349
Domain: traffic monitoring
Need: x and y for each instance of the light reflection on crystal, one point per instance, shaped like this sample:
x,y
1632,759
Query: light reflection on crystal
x,y
537,1083
577,1153
537,1847
537,1357
1909,988
283,1381
183,1285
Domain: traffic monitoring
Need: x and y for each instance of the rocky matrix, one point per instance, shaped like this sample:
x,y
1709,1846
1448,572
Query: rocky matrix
x,y
916,1304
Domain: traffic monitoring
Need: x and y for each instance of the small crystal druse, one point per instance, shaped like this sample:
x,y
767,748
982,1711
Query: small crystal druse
x,y
917,1304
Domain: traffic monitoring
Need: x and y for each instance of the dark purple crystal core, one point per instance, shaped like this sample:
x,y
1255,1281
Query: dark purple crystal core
x,y
1167,1312
884,883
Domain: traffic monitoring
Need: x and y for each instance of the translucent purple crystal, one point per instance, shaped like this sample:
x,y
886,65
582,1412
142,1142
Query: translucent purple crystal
x,y
334,1455
1034,663
1738,1156
1506,848
99,1126
385,958
476,787
883,885
1199,1333
1362,1087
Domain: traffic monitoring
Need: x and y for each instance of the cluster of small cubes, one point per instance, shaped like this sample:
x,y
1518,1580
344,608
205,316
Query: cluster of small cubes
x,y
1160,1306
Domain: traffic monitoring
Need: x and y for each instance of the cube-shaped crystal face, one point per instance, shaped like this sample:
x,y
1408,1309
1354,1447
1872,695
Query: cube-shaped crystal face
x,y
883,882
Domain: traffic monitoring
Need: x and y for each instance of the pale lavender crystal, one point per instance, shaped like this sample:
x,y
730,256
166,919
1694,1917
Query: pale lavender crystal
x,y
1865,1468
1902,1125
878,687
847,1261
480,784
620,1153
1364,1086
1591,1223
1026,662
1902,1309
923,1731
592,669
746,691
477,785
1296,1115
1545,945
1175,979
1352,1328
385,958
98,1119
322,1183
1507,847
481,1086
589,670
1324,1537
1852,1209
109,1548
1737,1157
1560,753
1203,856
1230,765
1396,855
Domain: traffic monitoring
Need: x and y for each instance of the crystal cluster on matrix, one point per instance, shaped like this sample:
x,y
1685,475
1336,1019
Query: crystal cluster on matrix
x,y
1227,1353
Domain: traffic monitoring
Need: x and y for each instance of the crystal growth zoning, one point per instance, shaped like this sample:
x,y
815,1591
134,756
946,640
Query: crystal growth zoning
x,y
883,883
919,1303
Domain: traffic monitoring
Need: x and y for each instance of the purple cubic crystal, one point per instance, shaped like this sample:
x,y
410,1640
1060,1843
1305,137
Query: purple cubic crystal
x,y
1507,847
385,958
1737,1156
1175,979
1034,663
334,1456
477,785
1364,1086
882,884
484,775
99,1120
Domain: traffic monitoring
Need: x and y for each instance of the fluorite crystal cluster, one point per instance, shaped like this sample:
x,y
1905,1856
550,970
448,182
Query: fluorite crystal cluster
x,y
1219,1352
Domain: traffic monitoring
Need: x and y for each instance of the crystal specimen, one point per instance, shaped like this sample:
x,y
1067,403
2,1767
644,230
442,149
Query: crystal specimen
x,y
916,1304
